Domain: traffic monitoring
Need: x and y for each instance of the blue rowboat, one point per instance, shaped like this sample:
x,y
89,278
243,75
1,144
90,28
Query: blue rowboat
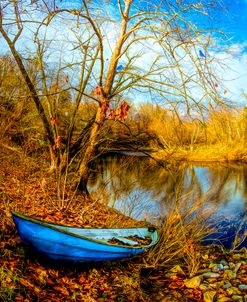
x,y
72,244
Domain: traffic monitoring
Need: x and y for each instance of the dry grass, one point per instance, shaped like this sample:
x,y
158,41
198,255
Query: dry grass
x,y
181,234
221,137
214,153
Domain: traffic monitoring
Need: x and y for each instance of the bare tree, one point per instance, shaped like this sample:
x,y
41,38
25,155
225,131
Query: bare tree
x,y
104,52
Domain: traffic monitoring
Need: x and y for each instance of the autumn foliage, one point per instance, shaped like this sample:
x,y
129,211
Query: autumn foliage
x,y
119,114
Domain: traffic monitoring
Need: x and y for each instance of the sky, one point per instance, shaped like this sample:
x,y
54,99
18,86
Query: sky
x,y
232,19
235,20
229,17
235,26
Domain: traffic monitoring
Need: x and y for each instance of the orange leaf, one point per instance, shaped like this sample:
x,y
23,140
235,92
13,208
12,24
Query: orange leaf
x,y
53,273
62,290
82,280
53,120
97,91
173,285
26,283
243,279
66,280
19,298
58,142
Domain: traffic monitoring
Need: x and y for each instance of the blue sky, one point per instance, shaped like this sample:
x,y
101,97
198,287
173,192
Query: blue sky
x,y
229,17
234,19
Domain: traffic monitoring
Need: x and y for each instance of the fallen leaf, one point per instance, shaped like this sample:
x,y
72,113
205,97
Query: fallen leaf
x,y
18,298
61,290
26,283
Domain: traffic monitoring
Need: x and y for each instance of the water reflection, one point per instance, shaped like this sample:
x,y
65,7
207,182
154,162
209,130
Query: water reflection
x,y
143,189
134,177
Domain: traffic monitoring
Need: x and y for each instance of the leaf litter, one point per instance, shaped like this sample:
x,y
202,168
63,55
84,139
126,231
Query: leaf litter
x,y
25,277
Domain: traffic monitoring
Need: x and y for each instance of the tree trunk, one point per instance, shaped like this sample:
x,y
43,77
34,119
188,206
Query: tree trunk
x,y
33,95
84,168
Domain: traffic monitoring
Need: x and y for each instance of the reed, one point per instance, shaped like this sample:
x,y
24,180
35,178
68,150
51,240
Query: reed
x,y
220,136
181,234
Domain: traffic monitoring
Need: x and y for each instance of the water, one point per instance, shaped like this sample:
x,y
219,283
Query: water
x,y
143,189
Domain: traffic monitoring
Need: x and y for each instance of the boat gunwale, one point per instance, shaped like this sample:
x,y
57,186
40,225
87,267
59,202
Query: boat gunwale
x,y
52,226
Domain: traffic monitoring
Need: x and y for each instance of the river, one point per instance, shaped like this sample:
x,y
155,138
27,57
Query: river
x,y
144,189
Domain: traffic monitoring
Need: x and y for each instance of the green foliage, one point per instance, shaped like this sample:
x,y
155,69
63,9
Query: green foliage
x,y
8,281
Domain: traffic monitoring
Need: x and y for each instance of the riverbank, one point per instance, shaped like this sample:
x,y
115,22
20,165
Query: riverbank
x,y
215,153
219,276
196,274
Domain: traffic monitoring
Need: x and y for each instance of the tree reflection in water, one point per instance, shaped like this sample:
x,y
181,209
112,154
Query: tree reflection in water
x,y
142,187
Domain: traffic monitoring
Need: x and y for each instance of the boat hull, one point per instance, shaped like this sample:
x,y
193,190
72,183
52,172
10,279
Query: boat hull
x,y
61,243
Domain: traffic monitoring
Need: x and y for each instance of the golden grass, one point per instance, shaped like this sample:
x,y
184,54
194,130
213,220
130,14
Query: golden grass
x,y
214,153
180,235
222,136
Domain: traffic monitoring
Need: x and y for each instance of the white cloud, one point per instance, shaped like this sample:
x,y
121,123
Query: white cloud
x,y
231,70
236,49
233,73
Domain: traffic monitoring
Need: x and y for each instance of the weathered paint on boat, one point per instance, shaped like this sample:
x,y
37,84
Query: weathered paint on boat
x,y
64,243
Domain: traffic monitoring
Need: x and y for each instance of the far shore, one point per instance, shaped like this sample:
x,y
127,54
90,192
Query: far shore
x,y
203,154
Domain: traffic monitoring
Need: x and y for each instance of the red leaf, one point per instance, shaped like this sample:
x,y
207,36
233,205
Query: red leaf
x,y
97,90
82,280
111,114
123,111
53,120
